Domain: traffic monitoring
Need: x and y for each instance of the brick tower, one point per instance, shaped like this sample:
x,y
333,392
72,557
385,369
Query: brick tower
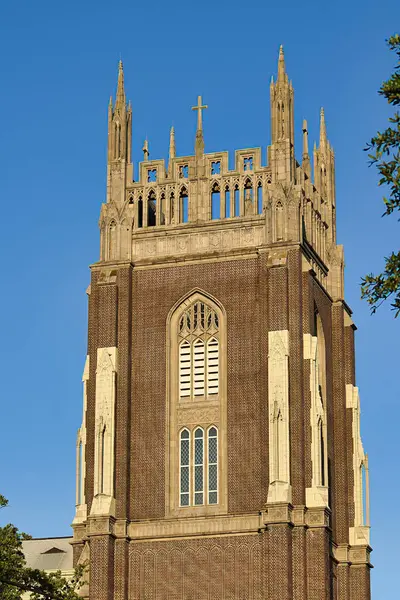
x,y
220,454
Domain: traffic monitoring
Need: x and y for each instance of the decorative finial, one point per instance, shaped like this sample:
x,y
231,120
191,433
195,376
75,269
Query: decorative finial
x,y
172,149
305,138
146,150
306,158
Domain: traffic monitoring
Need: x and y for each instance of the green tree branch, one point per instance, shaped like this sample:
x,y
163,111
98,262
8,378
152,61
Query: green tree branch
x,y
384,152
16,578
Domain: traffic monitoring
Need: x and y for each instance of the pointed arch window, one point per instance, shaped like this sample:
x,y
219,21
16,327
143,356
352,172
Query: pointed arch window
x,y
117,149
184,205
259,198
215,202
237,201
227,202
151,209
140,211
162,209
197,424
199,353
248,197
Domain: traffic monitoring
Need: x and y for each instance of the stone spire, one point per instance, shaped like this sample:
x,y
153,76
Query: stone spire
x,y
282,124
323,140
119,142
282,77
199,144
120,99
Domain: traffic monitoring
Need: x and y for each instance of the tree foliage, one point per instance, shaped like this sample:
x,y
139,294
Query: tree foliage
x,y
16,578
384,152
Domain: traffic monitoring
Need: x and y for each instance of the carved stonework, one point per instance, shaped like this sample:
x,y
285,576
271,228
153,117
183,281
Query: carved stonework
x,y
194,527
279,513
278,410
317,494
359,533
104,431
101,525
317,517
199,416
182,244
81,506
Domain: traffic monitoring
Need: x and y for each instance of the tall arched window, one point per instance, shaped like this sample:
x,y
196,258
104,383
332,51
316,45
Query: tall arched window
x,y
117,153
248,198
140,211
184,205
259,198
151,209
227,202
199,352
162,209
236,195
196,465
215,202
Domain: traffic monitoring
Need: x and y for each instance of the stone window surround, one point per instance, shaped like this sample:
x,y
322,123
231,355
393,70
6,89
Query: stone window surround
x,y
203,413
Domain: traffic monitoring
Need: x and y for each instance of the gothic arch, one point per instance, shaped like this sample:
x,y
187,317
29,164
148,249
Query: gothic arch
x,y
208,410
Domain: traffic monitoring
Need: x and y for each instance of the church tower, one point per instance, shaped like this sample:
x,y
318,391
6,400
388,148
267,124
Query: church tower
x,y
220,455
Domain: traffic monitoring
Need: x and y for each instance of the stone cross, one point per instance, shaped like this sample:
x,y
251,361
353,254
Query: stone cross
x,y
199,108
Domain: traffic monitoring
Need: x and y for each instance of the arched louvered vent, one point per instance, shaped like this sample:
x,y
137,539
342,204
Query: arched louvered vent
x,y
198,352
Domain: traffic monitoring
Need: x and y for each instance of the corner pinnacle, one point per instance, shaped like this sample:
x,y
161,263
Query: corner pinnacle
x,y
172,149
322,131
281,65
120,99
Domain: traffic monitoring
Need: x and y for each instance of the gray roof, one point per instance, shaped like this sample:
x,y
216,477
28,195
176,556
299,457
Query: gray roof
x,y
48,554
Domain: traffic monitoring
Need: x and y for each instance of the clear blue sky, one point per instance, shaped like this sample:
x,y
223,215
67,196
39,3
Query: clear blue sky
x,y
58,63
